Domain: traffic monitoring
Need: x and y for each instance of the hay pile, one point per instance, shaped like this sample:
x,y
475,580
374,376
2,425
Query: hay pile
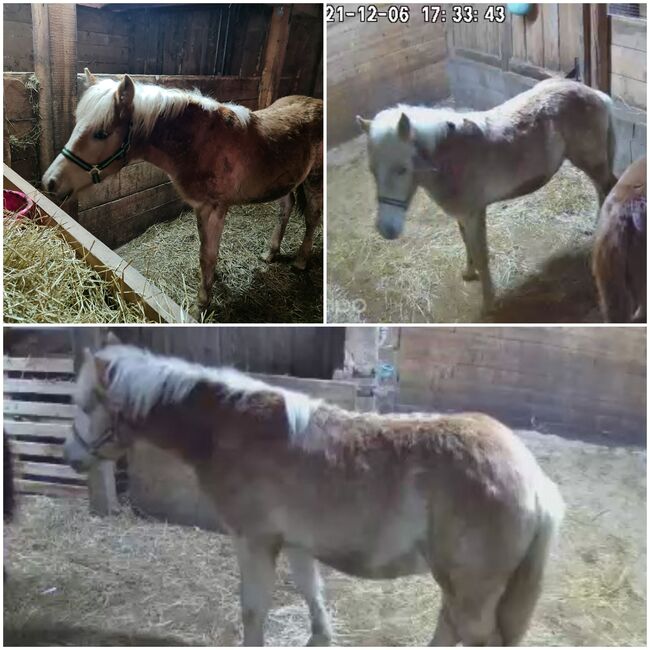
x,y
246,289
539,253
45,282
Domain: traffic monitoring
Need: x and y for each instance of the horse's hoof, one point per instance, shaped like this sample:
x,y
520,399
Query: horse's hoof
x,y
299,264
319,640
198,310
268,257
470,276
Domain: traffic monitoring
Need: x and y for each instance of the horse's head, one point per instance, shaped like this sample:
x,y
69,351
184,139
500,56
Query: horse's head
x,y
99,143
94,434
391,155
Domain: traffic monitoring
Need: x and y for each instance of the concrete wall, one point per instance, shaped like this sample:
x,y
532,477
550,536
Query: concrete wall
x,y
480,86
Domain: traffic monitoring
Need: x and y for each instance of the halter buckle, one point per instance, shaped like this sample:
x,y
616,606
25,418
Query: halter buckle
x,y
94,173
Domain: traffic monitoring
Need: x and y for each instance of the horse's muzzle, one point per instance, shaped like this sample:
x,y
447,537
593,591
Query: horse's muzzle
x,y
390,221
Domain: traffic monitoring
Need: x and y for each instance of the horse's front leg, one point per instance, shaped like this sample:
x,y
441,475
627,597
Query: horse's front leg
x,y
313,192
476,240
210,220
470,273
306,577
257,574
286,206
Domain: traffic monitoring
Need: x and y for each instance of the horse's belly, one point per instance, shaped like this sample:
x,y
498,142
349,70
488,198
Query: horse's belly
x,y
363,565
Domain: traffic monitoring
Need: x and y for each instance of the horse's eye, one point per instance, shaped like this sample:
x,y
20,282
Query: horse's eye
x,y
100,135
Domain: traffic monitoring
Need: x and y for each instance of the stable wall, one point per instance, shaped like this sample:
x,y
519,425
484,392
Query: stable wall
x,y
576,382
489,63
371,66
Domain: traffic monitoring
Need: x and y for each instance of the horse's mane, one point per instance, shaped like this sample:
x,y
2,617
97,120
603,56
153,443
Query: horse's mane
x,y
139,380
96,106
431,124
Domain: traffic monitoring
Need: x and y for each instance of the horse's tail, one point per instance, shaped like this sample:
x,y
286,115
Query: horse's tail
x,y
611,132
522,592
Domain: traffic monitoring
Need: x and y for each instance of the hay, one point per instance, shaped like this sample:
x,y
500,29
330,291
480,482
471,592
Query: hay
x,y
82,580
539,246
246,289
45,282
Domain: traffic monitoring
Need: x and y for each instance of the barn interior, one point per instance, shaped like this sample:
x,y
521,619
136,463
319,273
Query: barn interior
x,y
249,54
540,244
132,555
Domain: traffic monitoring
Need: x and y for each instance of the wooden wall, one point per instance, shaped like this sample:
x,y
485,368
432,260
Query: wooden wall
x,y
629,43
371,66
18,51
572,381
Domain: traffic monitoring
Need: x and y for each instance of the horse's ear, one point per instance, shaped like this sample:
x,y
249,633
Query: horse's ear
x,y
404,128
111,338
451,127
91,80
125,93
364,124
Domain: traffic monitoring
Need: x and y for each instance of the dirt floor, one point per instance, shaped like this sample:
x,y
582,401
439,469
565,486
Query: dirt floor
x,y
539,254
247,290
80,580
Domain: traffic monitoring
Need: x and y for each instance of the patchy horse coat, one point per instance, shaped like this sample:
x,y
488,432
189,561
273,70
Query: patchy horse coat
x,y
619,260
375,496
466,161
216,154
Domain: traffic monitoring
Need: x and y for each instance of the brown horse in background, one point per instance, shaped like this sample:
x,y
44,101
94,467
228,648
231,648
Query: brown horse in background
x,y
620,250
216,154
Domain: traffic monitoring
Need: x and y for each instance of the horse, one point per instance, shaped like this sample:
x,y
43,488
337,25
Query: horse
x,y
374,496
619,258
216,154
467,161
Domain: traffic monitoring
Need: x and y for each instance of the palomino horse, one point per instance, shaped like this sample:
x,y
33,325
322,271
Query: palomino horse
x,y
619,262
466,161
374,496
217,155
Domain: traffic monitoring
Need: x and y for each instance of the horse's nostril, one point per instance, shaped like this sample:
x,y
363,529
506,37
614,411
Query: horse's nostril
x,y
51,186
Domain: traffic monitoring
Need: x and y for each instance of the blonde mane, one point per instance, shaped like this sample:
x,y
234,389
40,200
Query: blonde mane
x,y
139,380
150,104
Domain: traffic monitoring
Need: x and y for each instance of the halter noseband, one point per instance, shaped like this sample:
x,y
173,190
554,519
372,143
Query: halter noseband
x,y
94,447
98,167
394,202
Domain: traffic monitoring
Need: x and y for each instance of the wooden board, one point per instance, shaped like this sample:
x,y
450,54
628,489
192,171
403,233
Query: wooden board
x,y
37,429
50,489
37,409
158,306
35,386
35,364
46,470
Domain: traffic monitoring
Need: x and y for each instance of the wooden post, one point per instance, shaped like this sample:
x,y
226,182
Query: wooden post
x,y
276,48
585,41
600,49
102,491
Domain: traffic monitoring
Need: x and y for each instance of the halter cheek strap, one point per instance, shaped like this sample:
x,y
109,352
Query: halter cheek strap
x,y
94,170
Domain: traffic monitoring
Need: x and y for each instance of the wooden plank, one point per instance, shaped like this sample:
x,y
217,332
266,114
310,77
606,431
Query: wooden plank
x,y
46,449
551,20
600,65
535,37
629,63
631,91
38,409
38,429
519,37
17,51
341,393
38,386
276,48
569,34
629,32
50,489
37,364
158,306
46,470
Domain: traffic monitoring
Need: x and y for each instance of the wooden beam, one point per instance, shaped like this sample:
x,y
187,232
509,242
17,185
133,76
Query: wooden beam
x,y
276,48
585,43
42,70
600,50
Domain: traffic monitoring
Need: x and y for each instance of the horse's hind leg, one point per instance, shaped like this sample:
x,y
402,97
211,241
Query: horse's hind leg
x,y
445,634
257,569
286,206
210,220
308,582
312,194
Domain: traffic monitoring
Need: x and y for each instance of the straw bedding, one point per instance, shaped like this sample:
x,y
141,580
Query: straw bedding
x,y
246,289
45,282
540,247
81,580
